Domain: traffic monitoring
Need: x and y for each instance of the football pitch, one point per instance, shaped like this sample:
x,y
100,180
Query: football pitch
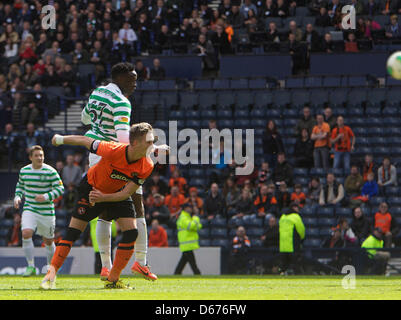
x,y
205,288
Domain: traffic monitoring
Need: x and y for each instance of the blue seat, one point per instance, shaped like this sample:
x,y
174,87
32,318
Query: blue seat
x,y
205,222
396,211
325,211
220,243
243,99
242,123
189,99
218,233
221,84
324,232
239,84
225,99
207,99
177,115
61,223
258,114
302,181
333,81
255,232
205,242
149,85
308,210
338,97
171,233
300,172
192,114
356,81
344,212
318,97
198,182
312,243
218,223
203,84
394,201
375,201
320,172
310,222
167,84
312,232
329,222
208,114
257,83
262,99
281,98
392,191
294,82
225,123
224,114
244,114
311,82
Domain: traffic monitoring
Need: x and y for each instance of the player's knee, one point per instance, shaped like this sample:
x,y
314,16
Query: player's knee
x,y
129,236
27,233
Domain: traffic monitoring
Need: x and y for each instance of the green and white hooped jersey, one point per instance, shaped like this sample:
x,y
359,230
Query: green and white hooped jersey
x,y
109,111
33,182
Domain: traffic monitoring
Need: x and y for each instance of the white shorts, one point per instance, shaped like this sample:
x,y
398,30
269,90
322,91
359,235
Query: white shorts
x,y
41,225
94,158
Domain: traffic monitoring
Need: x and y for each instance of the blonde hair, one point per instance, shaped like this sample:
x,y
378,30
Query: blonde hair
x,y
139,130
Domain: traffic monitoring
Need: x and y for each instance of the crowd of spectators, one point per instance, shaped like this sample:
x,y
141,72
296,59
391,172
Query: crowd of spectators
x,y
105,31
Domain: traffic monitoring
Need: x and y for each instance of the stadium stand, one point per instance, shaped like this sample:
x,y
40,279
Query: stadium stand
x,y
220,84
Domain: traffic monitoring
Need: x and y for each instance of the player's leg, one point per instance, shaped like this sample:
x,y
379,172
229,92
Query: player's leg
x,y
45,228
140,266
63,248
103,237
124,252
28,226
103,232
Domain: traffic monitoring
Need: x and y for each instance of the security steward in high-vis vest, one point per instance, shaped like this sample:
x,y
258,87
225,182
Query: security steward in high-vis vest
x,y
292,233
188,225
380,258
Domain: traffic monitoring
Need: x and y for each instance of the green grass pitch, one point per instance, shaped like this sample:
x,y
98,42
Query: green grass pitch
x,y
204,288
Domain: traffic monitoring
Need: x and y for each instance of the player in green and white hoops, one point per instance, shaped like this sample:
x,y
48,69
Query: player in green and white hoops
x,y
39,184
108,112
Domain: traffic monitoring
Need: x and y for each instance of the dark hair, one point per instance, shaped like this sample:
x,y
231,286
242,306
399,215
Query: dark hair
x,y
121,69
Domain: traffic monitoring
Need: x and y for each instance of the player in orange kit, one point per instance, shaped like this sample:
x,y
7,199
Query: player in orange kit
x,y
106,189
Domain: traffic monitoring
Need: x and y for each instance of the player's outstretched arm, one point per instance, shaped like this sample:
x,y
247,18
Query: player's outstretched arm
x,y
86,142
97,196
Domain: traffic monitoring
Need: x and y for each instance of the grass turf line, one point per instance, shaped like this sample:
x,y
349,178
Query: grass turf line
x,y
204,288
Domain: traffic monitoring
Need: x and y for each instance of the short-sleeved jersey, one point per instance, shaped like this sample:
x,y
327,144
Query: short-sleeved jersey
x,y
114,170
320,129
109,110
33,182
343,144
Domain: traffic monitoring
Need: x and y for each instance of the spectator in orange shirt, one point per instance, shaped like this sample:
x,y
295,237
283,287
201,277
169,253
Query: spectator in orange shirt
x,y
344,142
321,137
174,201
157,235
266,202
177,180
197,202
385,221
298,196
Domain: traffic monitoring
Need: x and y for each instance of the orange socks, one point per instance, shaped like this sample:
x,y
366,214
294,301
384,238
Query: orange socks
x,y
62,250
123,255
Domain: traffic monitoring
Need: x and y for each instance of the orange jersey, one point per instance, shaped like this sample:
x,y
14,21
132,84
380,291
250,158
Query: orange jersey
x,y
114,171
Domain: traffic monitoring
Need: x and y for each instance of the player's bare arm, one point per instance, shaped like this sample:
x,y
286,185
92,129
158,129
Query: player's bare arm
x,y
86,142
97,196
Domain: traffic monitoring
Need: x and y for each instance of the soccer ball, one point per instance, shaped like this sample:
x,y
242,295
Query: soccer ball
x,y
394,65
